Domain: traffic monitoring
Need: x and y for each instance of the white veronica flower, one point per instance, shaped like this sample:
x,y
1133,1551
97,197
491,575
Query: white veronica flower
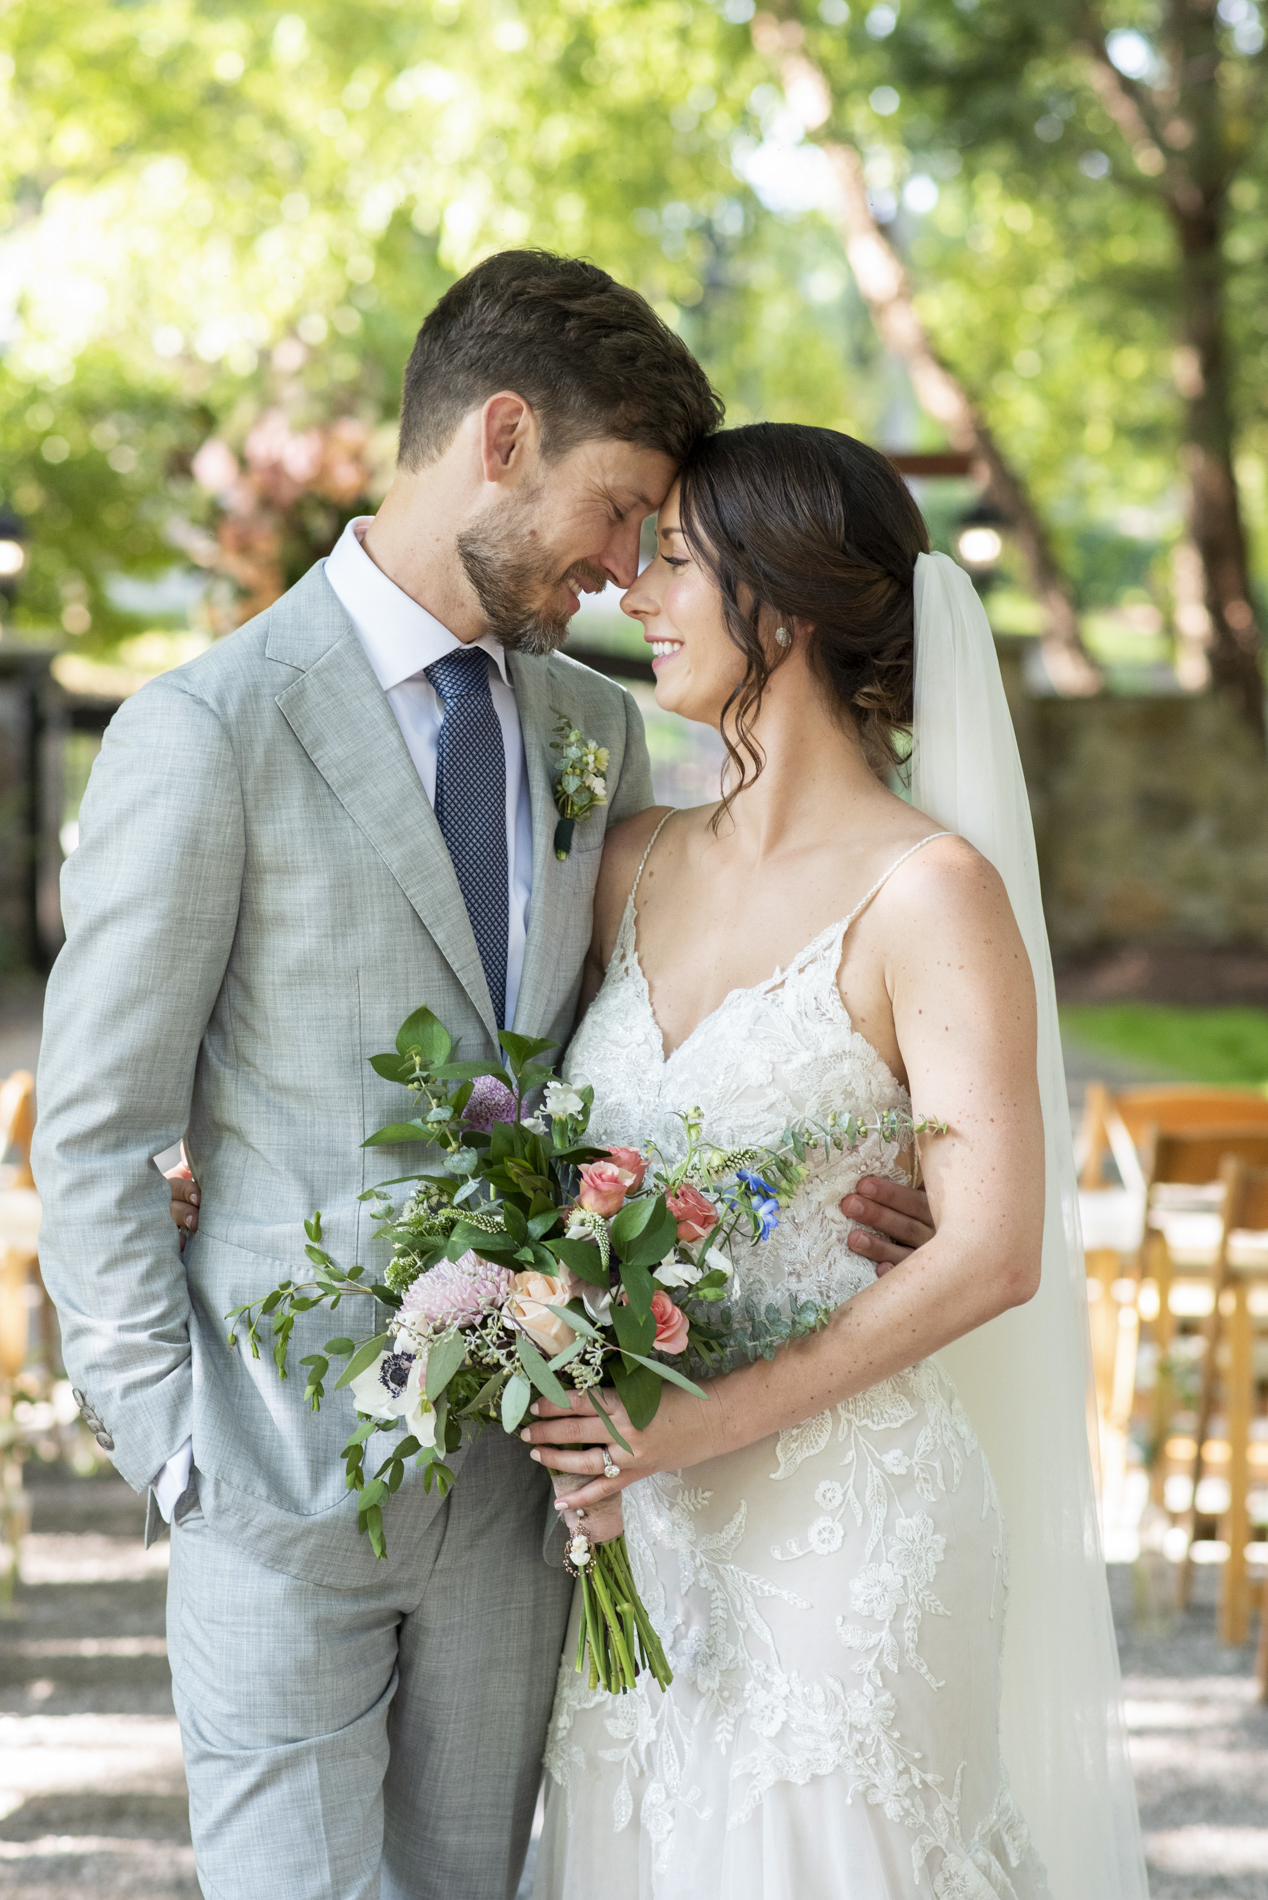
x,y
562,1099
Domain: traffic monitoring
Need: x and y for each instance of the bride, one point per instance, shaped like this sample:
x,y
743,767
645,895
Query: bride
x,y
822,1544
828,1544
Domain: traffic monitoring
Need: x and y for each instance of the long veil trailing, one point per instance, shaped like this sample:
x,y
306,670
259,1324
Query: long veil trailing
x,y
1026,1378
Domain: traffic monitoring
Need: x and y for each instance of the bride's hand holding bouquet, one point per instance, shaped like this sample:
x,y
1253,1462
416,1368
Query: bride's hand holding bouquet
x,y
535,1266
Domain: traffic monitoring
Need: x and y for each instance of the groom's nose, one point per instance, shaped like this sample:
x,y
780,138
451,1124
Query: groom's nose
x,y
619,558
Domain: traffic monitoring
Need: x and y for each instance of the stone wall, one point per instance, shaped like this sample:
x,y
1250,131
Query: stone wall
x,y
1151,818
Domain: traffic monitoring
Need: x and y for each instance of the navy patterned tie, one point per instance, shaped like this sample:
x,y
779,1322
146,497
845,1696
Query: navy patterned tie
x,y
471,805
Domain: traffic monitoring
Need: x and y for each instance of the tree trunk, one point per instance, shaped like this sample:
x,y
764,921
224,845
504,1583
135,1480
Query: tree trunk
x,y
884,286
1177,133
1198,201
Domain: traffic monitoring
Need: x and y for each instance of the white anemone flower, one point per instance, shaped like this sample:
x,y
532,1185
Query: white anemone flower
x,y
392,1386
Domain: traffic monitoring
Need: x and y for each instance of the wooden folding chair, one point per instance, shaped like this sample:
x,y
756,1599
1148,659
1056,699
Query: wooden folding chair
x,y
19,1229
1172,1108
1128,1125
1226,1156
1244,1209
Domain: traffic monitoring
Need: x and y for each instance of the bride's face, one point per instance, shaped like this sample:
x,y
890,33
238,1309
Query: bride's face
x,y
697,665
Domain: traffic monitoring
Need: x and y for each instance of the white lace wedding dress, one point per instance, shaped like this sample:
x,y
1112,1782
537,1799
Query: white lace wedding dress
x,y
831,1600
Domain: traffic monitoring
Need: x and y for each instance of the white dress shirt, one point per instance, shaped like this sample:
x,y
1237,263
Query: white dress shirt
x,y
400,638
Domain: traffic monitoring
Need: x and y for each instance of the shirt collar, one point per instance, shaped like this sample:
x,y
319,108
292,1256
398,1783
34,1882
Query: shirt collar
x,y
400,638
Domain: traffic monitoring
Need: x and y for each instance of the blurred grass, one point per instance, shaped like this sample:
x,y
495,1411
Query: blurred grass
x,y
1226,1046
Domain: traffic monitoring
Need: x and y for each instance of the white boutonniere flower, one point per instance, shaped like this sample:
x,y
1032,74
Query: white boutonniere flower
x,y
581,784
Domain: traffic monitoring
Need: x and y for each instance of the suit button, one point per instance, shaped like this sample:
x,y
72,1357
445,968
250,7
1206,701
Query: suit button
x,y
105,1441
78,1397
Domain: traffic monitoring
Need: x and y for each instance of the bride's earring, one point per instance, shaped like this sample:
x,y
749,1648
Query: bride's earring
x,y
782,637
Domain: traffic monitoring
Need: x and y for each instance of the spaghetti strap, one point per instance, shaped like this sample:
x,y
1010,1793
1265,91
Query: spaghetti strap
x,y
647,854
864,902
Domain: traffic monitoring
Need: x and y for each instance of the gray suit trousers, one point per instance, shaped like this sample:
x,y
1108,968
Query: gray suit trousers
x,y
381,1742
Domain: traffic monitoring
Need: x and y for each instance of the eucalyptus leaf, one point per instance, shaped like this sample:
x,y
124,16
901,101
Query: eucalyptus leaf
x,y
443,1360
364,1356
396,1132
540,1373
515,1401
671,1373
393,1068
425,1035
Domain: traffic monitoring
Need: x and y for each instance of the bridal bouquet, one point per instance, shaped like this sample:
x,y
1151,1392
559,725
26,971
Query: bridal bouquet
x,y
534,1261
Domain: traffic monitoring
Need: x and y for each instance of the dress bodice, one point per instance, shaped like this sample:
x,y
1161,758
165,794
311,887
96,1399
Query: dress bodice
x,y
780,1052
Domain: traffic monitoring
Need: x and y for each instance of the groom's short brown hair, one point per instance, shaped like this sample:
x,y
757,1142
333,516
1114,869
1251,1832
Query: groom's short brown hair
x,y
589,354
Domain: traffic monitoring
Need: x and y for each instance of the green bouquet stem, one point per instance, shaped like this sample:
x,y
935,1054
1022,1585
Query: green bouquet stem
x,y
616,1641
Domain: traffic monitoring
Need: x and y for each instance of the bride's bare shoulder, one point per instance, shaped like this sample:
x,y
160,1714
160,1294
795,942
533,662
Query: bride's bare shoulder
x,y
949,908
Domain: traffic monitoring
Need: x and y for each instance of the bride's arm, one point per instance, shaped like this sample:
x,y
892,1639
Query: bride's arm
x,y
964,1012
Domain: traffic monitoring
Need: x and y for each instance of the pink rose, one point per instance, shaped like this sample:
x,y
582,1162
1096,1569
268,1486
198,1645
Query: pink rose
x,y
604,1187
695,1215
631,1162
531,1298
671,1323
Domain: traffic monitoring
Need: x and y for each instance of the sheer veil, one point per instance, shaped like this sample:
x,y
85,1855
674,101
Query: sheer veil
x,y
1025,1378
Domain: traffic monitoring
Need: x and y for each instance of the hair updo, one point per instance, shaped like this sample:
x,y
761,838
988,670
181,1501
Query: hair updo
x,y
808,524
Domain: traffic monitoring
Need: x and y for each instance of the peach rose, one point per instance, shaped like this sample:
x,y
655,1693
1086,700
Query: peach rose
x,y
671,1323
603,1187
631,1162
695,1216
528,1304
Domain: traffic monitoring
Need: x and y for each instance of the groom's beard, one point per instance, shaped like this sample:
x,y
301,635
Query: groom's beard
x,y
514,582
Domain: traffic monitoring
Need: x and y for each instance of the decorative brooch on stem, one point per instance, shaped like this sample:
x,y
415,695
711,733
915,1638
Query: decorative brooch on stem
x,y
580,783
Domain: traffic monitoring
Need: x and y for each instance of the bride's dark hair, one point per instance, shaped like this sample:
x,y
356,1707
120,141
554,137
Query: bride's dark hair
x,y
808,524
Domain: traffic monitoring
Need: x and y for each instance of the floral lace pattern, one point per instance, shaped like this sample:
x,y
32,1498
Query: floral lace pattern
x,y
831,1600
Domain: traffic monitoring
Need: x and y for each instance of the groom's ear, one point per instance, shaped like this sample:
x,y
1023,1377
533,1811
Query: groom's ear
x,y
510,439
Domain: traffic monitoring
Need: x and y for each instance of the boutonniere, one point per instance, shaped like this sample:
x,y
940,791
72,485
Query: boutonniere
x,y
581,784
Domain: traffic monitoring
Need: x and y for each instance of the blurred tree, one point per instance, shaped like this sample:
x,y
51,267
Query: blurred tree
x,y
886,287
223,226
1091,159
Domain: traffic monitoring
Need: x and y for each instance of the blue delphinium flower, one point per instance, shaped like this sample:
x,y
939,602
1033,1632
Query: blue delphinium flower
x,y
764,1204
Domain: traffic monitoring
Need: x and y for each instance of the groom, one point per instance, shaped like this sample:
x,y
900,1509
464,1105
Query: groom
x,y
340,812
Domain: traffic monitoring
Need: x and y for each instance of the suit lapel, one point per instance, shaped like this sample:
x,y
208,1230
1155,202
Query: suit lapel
x,y
342,718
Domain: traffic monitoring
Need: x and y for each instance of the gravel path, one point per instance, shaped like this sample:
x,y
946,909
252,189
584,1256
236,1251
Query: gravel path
x,y
92,1796
92,1792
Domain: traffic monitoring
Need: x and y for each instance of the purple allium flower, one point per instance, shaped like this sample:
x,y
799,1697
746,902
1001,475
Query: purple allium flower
x,y
456,1292
491,1101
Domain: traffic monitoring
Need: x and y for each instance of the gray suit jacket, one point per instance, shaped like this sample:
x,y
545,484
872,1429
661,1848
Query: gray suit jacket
x,y
260,896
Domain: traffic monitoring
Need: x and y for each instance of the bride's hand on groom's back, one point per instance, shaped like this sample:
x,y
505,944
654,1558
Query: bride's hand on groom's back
x,y
901,1215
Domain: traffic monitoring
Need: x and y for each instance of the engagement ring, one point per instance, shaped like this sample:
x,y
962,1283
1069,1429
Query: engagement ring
x,y
610,1469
